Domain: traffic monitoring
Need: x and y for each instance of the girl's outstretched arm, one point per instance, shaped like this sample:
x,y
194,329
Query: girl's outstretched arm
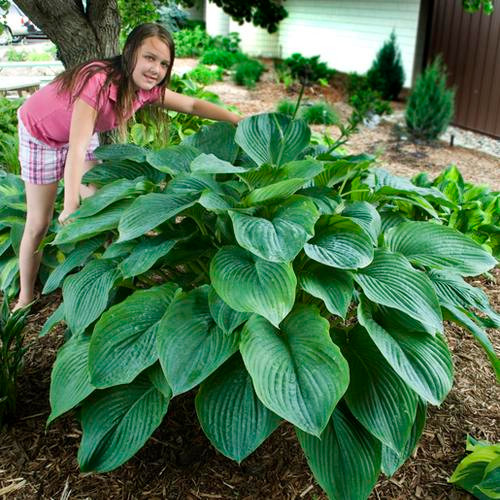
x,y
81,130
199,107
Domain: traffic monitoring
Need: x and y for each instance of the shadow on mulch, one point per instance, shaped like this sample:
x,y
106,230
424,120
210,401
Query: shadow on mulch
x,y
178,462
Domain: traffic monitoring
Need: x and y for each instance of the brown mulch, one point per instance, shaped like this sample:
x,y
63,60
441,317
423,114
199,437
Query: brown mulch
x,y
178,462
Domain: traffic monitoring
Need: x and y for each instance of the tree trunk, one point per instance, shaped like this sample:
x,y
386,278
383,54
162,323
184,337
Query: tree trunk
x,y
80,34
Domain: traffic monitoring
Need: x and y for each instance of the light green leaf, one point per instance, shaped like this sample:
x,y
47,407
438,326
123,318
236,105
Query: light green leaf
x,y
227,319
265,288
117,422
297,372
333,286
85,293
70,379
346,459
300,169
231,414
76,258
439,246
390,280
85,228
377,396
210,164
272,138
342,244
276,191
145,255
190,345
151,210
490,484
124,340
283,237
423,361
174,159
56,317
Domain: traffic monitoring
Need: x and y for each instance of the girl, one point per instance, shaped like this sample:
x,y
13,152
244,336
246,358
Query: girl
x,y
57,127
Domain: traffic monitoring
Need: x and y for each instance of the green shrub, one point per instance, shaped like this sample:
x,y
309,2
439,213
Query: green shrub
x,y
286,107
14,55
230,43
204,75
8,135
478,472
386,74
472,209
248,72
319,113
293,273
222,58
191,42
39,56
11,358
430,106
367,103
308,70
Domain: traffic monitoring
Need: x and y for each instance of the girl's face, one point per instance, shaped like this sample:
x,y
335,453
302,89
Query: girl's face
x,y
153,60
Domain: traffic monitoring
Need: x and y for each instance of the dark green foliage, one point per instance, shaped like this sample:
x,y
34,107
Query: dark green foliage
x,y
172,17
191,42
386,74
204,75
286,107
11,358
308,70
248,72
430,105
369,102
222,58
264,13
319,113
8,135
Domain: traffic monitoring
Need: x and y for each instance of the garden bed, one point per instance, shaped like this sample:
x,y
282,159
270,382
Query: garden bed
x,y
179,462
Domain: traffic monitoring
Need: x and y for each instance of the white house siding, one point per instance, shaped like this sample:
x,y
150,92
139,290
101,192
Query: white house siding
x,y
217,21
348,33
257,41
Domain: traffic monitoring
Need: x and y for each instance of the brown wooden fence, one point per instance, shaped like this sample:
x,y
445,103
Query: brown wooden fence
x,y
470,46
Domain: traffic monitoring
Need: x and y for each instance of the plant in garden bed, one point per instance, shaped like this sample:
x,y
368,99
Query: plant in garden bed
x,y
476,212
11,357
479,472
319,113
283,280
204,75
248,72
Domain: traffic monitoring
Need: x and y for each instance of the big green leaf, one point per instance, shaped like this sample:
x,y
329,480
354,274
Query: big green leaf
x,y
86,293
423,361
231,414
174,159
333,286
217,139
117,422
114,170
210,164
297,371
366,216
151,210
227,319
56,317
190,345
250,284
87,227
145,254
272,138
281,190
117,190
392,461
346,459
121,152
391,280
439,246
377,396
283,237
70,379
76,258
341,243
124,340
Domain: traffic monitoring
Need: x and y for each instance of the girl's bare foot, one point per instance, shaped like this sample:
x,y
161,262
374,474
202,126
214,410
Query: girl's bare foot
x,y
22,303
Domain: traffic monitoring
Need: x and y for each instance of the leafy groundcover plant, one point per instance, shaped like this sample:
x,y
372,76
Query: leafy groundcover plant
x,y
283,280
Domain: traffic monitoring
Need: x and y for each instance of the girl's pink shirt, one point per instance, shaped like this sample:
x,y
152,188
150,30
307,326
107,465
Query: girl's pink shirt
x,y
47,113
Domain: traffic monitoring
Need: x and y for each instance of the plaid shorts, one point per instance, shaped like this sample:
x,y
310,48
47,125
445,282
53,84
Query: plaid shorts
x,y
44,164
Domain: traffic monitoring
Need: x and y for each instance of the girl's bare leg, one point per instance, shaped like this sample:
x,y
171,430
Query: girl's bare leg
x,y
40,204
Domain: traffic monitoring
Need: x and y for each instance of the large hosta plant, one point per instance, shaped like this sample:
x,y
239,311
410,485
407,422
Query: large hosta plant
x,y
280,281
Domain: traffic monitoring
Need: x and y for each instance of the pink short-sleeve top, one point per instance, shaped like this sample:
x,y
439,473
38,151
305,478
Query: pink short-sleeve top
x,y
47,113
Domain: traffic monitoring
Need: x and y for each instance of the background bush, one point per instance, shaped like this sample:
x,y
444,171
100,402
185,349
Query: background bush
x,y
430,105
248,72
204,75
307,70
223,58
319,113
386,74
286,107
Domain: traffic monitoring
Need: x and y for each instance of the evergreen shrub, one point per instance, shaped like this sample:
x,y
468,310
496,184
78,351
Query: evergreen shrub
x,y
320,113
248,72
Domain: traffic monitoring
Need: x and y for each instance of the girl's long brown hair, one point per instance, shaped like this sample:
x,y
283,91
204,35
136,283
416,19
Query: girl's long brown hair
x,y
118,70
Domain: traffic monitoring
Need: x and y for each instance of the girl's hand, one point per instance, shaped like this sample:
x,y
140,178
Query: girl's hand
x,y
64,215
